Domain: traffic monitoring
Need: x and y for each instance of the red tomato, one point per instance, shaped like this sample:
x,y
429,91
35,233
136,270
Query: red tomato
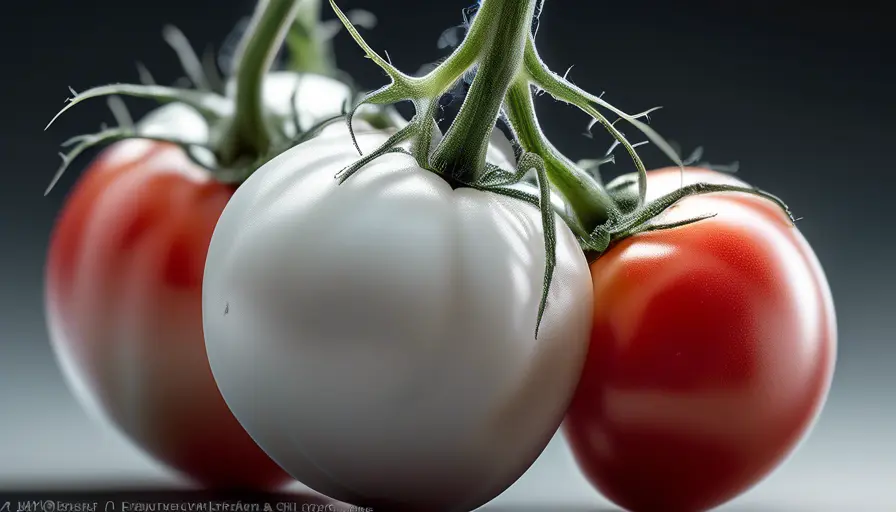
x,y
123,296
712,352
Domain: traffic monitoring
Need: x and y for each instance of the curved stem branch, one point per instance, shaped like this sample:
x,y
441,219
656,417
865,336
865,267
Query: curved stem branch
x,y
249,132
587,198
500,30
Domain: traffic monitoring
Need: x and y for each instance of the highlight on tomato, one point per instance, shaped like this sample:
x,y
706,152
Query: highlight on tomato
x,y
127,254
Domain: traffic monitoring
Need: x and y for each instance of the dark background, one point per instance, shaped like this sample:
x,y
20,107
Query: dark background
x,y
801,97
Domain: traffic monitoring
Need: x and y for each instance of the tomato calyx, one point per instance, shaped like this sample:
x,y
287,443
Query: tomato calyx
x,y
641,219
243,131
638,217
499,52
624,188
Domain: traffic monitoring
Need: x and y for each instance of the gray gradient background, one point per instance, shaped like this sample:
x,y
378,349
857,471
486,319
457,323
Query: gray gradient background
x,y
801,98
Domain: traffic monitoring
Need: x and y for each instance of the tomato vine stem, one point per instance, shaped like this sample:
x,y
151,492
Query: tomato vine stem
x,y
588,199
503,26
499,48
249,132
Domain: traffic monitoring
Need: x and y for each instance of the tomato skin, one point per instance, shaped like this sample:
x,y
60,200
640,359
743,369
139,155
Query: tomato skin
x,y
377,337
123,299
712,351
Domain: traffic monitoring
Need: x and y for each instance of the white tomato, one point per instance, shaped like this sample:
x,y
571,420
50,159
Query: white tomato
x,y
377,338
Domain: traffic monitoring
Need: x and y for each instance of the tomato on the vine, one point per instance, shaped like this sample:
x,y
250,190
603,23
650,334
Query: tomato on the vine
x,y
124,288
377,337
712,351
127,255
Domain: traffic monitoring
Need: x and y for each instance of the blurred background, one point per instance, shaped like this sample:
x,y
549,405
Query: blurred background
x,y
800,97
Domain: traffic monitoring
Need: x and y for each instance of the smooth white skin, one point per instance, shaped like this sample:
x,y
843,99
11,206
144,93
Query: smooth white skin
x,y
376,338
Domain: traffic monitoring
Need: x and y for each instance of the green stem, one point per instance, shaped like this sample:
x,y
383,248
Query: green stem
x,y
249,133
500,30
589,201
308,51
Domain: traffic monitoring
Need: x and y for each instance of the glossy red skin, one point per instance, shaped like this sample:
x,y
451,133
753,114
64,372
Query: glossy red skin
x,y
123,297
712,352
